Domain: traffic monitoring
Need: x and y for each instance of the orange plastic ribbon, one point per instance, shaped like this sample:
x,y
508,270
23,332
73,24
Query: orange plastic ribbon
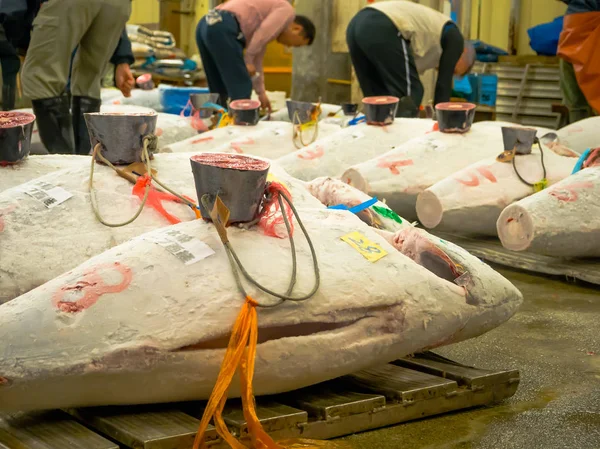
x,y
155,198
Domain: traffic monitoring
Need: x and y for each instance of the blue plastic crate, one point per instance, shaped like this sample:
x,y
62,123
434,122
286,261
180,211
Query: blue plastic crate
x,y
488,89
174,99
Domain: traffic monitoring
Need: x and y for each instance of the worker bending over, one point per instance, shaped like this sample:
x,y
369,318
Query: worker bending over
x,y
392,42
579,50
97,27
225,31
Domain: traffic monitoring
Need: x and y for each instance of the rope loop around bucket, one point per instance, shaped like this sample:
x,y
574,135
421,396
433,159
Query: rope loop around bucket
x,y
544,180
297,133
237,266
149,145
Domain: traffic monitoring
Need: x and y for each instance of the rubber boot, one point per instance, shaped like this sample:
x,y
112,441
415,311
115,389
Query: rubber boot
x,y
53,117
407,108
80,106
9,93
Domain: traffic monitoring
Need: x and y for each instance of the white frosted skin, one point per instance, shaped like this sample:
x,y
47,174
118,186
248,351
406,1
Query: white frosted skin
x,y
37,243
35,166
399,175
332,155
470,200
127,347
270,142
209,140
581,135
562,221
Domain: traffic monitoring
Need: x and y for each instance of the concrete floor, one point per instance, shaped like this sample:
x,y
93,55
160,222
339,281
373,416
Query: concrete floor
x,y
554,340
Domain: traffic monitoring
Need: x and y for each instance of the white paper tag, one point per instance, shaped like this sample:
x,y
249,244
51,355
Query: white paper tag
x,y
46,193
357,135
186,248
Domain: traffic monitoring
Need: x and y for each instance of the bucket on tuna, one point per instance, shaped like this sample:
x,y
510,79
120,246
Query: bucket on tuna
x,y
15,136
200,100
238,180
145,82
519,139
121,135
300,112
380,111
245,112
455,117
350,109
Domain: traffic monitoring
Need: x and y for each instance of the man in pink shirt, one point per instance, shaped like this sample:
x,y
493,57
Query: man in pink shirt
x,y
225,31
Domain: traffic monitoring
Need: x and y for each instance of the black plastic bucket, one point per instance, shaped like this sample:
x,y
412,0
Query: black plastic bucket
x,y
15,136
199,100
519,139
350,109
300,112
238,180
245,112
121,135
380,111
455,117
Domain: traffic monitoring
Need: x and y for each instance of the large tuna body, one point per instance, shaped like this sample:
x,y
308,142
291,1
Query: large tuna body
x,y
581,135
267,139
470,200
562,221
401,174
136,324
332,155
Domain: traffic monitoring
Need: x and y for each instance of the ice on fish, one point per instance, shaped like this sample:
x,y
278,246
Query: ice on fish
x,y
136,324
562,221
332,155
401,174
470,200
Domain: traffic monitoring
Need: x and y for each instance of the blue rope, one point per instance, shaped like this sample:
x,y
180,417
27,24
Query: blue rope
x,y
356,209
581,160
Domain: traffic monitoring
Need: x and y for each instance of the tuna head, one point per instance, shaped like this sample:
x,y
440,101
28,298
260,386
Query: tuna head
x,y
140,323
495,298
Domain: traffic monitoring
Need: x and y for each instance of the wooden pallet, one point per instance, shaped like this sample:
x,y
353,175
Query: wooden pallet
x,y
408,389
491,250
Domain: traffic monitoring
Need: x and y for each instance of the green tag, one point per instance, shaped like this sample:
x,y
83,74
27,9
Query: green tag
x,y
539,186
387,213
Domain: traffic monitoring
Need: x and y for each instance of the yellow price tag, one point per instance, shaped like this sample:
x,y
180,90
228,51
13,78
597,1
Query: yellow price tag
x,y
370,250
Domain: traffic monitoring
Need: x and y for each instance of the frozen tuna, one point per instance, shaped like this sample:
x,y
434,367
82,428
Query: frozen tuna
x,y
401,174
140,323
581,135
470,200
540,223
332,155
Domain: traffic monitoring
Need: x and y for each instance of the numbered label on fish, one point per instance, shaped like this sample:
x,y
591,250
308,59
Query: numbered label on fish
x,y
49,195
368,249
186,248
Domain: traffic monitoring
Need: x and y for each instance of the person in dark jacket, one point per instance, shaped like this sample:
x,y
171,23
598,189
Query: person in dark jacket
x,y
59,27
579,50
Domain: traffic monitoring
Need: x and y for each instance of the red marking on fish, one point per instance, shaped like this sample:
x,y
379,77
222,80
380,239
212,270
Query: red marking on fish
x,y
93,286
202,140
237,146
569,193
575,130
117,102
309,155
393,165
3,212
159,132
474,181
436,127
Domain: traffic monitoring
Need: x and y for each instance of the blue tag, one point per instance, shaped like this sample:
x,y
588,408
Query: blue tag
x,y
581,160
357,120
356,209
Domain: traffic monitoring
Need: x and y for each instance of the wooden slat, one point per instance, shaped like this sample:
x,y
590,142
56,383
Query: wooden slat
x,y
48,430
473,378
326,401
491,249
401,384
272,415
146,427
